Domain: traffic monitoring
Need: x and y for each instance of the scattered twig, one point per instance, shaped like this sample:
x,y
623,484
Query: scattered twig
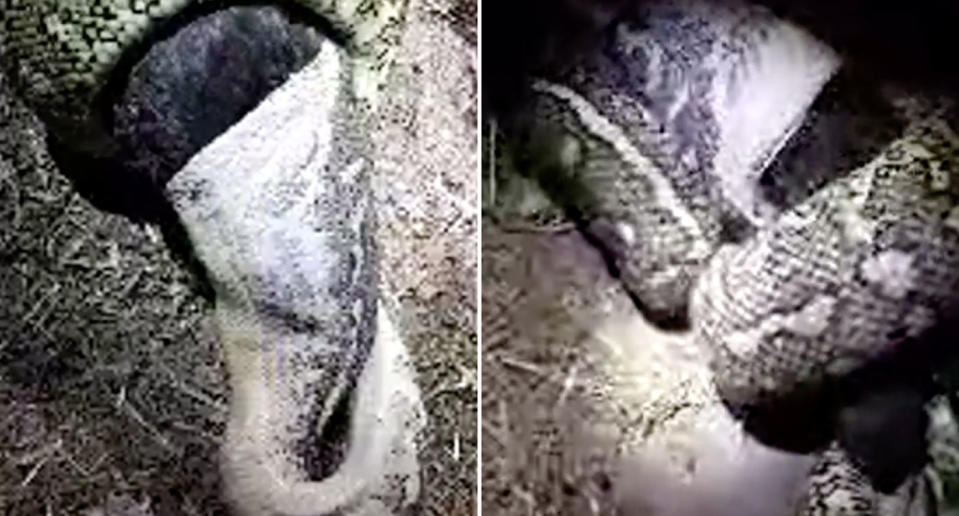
x,y
495,433
197,395
568,383
523,365
46,452
519,227
76,465
456,446
467,380
152,430
40,302
43,452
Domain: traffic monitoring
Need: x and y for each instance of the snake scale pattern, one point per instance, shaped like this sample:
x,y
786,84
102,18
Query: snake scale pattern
x,y
282,227
792,274
64,54
290,252
783,296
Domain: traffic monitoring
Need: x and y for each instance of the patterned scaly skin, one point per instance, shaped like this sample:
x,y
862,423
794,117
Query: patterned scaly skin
x,y
658,240
868,264
836,488
65,50
651,100
289,251
310,207
865,265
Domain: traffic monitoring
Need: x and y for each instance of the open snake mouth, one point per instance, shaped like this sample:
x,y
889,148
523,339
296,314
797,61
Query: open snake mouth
x,y
169,91
200,71
183,83
167,100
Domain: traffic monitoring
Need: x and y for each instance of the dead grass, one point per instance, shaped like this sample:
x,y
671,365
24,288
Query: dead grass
x,y
111,385
543,289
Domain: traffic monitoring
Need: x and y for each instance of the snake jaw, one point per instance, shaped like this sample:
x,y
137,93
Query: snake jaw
x,y
67,51
324,411
119,85
849,269
286,241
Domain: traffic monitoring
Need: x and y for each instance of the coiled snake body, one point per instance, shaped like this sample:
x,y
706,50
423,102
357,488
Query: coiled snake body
x,y
95,73
666,144
67,51
189,101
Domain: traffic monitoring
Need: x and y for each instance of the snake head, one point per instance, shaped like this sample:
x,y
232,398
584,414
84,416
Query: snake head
x,y
130,91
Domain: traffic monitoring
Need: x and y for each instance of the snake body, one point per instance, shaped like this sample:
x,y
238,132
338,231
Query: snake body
x,y
284,229
103,76
668,102
179,95
318,219
65,53
654,145
869,264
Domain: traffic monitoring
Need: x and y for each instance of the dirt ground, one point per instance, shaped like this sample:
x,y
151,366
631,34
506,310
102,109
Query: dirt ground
x,y
544,288
112,391
535,372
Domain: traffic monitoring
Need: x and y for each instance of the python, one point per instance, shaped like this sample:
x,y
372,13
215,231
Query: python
x,y
241,129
